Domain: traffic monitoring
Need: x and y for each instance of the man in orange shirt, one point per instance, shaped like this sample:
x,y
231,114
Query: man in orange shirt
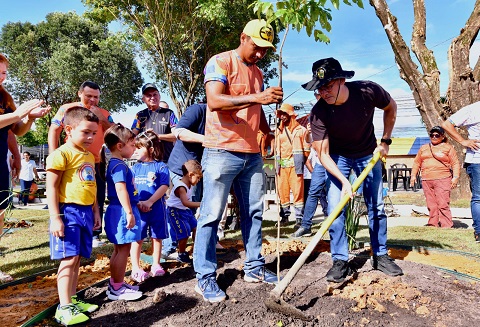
x,y
235,94
89,94
292,151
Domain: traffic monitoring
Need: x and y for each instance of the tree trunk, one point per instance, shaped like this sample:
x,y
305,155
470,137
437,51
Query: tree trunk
x,y
425,84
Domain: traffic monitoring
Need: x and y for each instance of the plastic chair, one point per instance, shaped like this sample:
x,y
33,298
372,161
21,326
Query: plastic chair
x,y
402,175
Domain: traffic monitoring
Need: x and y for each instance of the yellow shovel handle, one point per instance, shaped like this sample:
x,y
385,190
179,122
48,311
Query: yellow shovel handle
x,y
282,285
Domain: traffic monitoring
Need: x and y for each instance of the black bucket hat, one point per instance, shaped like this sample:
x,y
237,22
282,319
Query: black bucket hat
x,y
325,70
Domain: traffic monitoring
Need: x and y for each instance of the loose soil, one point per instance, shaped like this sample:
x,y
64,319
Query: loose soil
x,y
423,296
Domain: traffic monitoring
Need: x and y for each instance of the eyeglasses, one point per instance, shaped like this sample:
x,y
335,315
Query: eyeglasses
x,y
326,88
435,136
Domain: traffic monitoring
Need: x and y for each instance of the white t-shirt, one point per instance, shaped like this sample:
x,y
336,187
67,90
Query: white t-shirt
x,y
315,161
26,172
469,117
173,201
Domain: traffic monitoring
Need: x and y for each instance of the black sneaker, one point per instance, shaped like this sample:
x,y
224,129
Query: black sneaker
x,y
386,265
302,232
283,222
298,224
477,237
339,271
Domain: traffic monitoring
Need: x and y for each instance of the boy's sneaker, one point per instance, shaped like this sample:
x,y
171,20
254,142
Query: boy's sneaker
x,y
208,288
339,271
96,242
302,232
157,271
125,292
83,306
477,237
261,274
184,258
70,315
386,265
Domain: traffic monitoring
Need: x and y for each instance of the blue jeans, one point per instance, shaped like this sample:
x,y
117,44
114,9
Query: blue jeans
x,y
316,192
372,193
473,171
25,190
221,170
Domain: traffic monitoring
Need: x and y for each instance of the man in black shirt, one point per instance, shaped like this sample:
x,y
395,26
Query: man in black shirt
x,y
157,118
343,135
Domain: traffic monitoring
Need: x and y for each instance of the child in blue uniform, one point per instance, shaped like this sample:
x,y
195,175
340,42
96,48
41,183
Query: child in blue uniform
x,y
122,218
181,219
74,214
152,180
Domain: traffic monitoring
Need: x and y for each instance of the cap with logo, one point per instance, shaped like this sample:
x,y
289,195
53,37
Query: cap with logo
x,y
261,33
325,70
148,86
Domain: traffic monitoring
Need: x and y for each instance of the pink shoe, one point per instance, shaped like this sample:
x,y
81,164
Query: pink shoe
x,y
139,275
156,271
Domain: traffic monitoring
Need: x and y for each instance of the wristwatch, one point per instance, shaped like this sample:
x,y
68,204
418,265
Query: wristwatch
x,y
386,141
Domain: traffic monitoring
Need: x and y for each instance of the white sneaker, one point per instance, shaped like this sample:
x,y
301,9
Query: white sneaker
x,y
172,256
96,242
123,293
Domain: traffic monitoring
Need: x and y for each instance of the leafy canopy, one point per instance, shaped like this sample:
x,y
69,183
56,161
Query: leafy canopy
x,y
302,14
51,59
179,37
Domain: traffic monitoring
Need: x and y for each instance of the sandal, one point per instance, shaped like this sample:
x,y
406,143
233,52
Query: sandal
x,y
5,278
157,271
139,275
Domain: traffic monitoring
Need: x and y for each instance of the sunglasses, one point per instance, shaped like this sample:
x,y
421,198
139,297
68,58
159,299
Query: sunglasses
x,y
435,136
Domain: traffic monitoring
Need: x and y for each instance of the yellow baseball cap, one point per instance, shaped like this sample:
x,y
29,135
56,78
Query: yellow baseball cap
x,y
261,33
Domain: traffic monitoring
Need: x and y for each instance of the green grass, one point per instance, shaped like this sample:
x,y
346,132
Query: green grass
x,y
26,250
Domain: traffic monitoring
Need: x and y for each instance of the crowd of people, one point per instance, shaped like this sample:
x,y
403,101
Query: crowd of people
x,y
214,149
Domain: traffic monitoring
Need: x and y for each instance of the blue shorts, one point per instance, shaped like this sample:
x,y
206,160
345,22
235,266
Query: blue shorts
x,y
155,222
116,222
78,221
181,222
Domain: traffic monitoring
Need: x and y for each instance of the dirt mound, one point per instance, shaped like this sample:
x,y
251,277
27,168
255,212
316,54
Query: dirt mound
x,y
424,296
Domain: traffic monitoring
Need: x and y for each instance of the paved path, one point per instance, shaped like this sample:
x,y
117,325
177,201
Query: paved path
x,y
461,216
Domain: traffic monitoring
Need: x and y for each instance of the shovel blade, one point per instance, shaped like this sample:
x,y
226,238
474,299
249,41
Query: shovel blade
x,y
279,305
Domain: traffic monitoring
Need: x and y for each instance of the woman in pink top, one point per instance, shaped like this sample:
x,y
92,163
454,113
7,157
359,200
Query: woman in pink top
x,y
438,163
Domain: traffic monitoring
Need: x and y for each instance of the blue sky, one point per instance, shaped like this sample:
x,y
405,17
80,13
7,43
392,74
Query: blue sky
x,y
358,41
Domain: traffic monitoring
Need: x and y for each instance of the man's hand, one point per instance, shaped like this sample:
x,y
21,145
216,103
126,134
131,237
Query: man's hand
x,y
347,190
472,144
383,149
273,94
96,111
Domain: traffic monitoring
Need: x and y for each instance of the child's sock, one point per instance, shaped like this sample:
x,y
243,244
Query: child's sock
x,y
116,286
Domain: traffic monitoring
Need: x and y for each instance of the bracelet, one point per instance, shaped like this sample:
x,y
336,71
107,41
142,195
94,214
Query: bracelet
x,y
455,177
